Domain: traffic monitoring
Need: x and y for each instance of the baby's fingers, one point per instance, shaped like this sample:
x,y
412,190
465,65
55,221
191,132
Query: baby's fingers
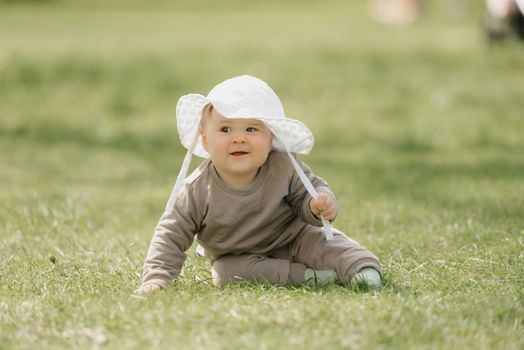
x,y
150,288
329,213
328,208
316,205
323,205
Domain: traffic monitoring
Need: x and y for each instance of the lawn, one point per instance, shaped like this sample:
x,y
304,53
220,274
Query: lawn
x,y
419,131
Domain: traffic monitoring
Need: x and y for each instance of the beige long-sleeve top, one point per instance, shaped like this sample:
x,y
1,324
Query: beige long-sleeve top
x,y
266,215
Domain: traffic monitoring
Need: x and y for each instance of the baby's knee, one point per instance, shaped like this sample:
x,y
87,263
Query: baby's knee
x,y
219,273
225,270
218,278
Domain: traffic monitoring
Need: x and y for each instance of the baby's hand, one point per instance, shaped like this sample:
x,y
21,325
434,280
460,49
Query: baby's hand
x,y
150,288
324,205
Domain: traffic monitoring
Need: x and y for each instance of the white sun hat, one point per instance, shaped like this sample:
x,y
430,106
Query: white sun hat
x,y
237,98
242,97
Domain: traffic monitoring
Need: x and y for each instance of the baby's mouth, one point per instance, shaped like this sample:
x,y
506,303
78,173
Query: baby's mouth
x,y
238,153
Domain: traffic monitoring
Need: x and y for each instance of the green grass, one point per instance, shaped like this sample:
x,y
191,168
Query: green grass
x,y
419,131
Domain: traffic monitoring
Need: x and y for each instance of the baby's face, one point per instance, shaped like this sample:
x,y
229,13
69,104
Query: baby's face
x,y
237,147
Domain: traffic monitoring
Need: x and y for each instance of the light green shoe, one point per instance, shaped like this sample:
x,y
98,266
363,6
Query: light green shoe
x,y
319,277
369,277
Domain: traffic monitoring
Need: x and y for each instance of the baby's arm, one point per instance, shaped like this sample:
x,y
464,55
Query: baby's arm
x,y
174,234
166,254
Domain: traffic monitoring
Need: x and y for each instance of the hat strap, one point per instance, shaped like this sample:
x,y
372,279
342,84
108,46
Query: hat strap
x,y
311,190
187,161
182,174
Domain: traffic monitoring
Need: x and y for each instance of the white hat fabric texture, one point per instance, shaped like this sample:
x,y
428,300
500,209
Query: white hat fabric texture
x,y
243,97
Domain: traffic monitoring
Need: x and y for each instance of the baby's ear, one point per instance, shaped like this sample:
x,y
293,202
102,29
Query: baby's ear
x,y
271,142
203,137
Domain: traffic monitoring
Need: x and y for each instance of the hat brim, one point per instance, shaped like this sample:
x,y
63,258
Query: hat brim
x,y
293,134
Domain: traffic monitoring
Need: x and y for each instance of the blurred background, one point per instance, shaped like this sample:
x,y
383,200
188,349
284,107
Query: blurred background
x,y
408,100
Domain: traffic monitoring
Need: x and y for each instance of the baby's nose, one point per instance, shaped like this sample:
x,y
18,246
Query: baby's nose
x,y
239,137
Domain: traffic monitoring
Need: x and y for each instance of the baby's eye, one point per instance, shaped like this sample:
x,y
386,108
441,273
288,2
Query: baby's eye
x,y
251,129
225,129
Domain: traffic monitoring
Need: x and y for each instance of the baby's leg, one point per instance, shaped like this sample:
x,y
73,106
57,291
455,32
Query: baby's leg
x,y
256,268
341,254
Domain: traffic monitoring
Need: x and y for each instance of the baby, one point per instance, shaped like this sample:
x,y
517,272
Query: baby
x,y
258,211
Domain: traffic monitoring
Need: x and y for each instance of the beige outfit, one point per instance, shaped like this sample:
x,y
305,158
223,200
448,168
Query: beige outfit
x,y
265,231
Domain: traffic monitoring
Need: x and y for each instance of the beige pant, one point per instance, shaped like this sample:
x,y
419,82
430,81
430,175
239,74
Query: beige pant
x,y
286,266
